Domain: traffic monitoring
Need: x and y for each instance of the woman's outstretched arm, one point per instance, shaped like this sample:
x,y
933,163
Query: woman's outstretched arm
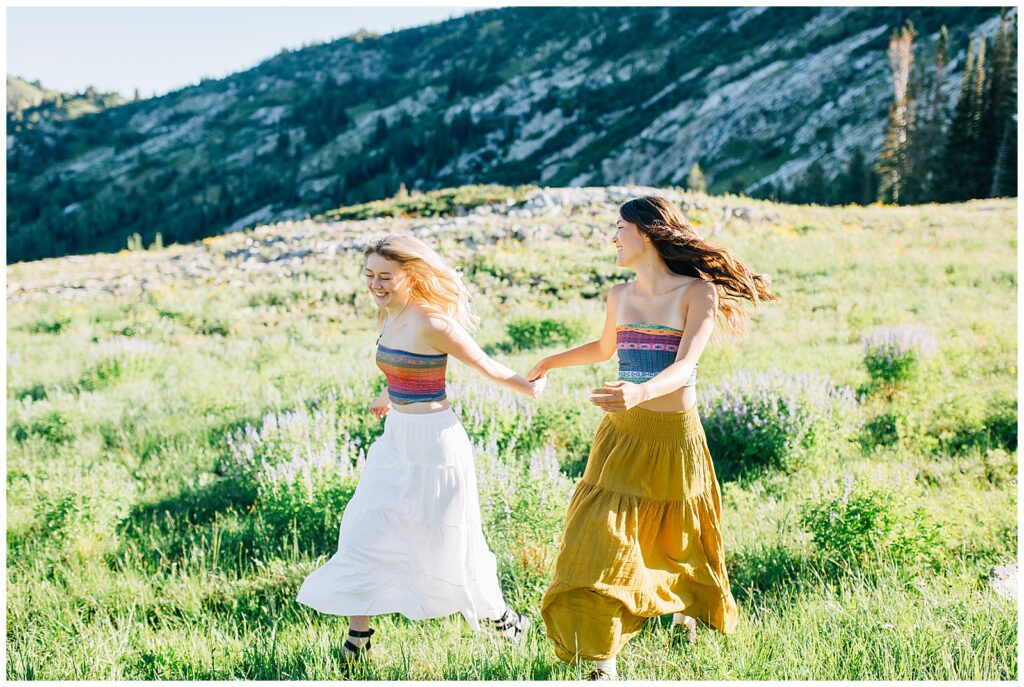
x,y
447,336
590,352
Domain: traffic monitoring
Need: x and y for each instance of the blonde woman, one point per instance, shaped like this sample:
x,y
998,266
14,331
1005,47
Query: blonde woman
x,y
411,539
642,533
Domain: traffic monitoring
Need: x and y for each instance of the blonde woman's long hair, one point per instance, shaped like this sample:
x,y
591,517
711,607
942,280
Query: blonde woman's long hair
x,y
433,281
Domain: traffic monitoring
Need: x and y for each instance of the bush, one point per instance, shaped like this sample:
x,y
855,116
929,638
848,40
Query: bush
x,y
772,420
528,333
54,426
955,421
863,527
996,428
881,430
50,325
214,326
83,523
101,375
892,355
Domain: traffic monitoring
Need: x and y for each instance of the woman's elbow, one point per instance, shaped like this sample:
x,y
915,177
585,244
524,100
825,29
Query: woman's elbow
x,y
488,368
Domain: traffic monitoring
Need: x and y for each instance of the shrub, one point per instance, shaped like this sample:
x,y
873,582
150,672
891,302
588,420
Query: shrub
x,y
892,355
214,326
865,526
83,523
528,333
101,375
881,430
53,426
995,428
50,325
772,420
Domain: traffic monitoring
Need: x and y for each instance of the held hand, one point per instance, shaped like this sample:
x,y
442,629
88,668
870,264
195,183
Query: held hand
x,y
618,396
538,386
380,406
537,371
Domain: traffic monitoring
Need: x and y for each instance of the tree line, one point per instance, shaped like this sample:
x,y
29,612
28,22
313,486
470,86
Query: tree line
x,y
929,152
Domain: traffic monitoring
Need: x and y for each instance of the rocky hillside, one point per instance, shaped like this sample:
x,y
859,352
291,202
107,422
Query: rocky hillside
x,y
552,96
30,104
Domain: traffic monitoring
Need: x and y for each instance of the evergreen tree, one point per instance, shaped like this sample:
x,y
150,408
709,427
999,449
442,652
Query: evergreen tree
x,y
959,148
926,146
380,133
695,179
815,185
894,162
999,129
284,144
857,186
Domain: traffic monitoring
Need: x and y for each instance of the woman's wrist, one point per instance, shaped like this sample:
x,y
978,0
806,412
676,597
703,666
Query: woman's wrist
x,y
645,392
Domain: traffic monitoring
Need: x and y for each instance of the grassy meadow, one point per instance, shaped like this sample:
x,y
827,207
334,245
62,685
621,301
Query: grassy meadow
x,y
186,424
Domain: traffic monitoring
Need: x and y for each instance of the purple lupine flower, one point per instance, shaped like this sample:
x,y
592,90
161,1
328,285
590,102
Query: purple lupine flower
x,y
894,343
767,417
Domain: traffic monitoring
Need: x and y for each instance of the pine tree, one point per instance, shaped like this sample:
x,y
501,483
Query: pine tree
x,y
857,186
695,180
815,184
1000,131
926,147
893,162
960,153
381,131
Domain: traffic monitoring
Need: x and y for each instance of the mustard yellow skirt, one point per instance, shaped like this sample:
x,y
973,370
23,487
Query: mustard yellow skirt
x,y
641,537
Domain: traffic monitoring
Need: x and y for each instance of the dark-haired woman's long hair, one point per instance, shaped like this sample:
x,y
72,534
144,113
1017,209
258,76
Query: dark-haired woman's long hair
x,y
686,253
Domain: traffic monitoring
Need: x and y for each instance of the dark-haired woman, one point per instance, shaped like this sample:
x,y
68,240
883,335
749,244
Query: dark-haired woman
x,y
642,535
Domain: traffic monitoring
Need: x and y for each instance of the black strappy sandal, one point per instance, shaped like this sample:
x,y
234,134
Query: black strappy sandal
x,y
512,619
600,674
686,630
354,652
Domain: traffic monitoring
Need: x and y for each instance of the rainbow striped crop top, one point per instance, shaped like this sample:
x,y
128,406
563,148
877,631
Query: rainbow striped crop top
x,y
412,377
647,349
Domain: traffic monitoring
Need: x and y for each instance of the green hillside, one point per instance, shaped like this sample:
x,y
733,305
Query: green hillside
x,y
142,543
761,98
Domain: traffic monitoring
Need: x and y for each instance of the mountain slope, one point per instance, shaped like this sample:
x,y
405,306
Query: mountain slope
x,y
553,96
30,104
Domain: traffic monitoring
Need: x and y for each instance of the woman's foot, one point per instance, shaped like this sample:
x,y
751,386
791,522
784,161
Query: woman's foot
x,y
685,627
512,626
599,674
357,646
603,670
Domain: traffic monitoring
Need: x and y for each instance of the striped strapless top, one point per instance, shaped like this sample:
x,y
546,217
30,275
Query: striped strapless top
x,y
647,349
412,377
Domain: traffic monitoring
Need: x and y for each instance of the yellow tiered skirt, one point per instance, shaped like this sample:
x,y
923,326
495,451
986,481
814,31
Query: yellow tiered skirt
x,y
641,537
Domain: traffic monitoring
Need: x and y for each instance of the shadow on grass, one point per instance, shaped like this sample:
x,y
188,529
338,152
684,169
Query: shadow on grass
x,y
191,507
768,569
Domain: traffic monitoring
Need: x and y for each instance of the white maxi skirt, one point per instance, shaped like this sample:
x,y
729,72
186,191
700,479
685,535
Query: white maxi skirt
x,y
411,540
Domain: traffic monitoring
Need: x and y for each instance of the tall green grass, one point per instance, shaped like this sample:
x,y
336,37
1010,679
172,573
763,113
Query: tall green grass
x,y
133,554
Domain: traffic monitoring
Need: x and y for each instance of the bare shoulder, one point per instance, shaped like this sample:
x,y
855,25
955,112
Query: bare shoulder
x,y
701,291
619,290
432,323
